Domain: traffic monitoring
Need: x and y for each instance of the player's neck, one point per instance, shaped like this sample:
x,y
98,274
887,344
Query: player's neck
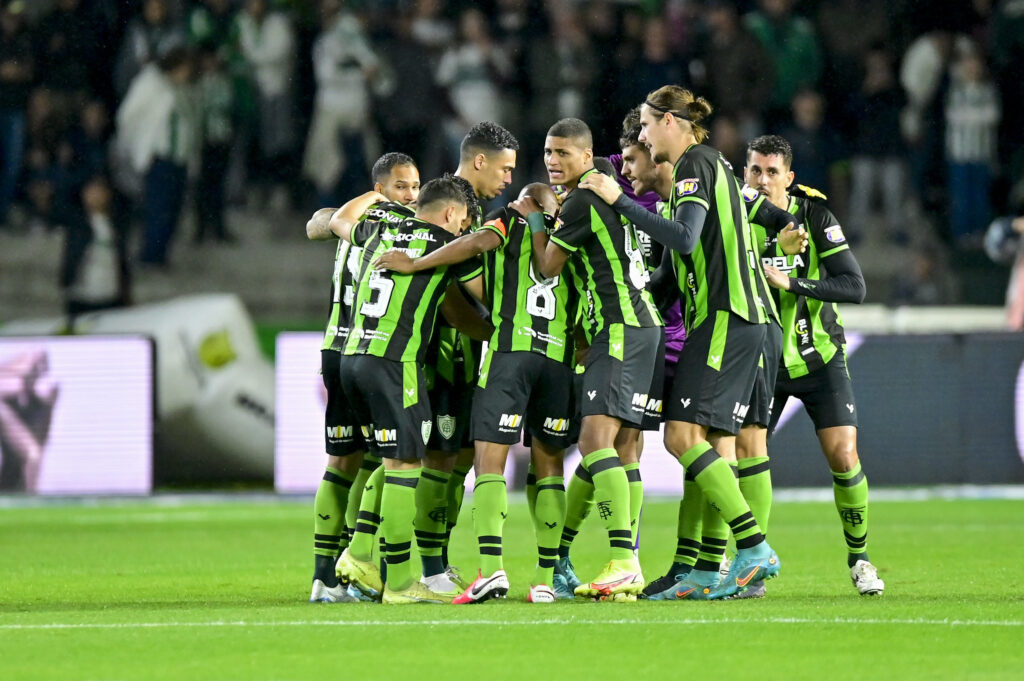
x,y
782,202
570,185
469,175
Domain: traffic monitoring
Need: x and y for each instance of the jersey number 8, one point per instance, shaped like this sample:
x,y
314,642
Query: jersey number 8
x,y
540,298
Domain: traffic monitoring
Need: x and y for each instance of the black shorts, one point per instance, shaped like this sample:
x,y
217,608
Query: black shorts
x,y
653,411
716,373
388,401
451,405
620,370
523,387
827,394
760,412
341,436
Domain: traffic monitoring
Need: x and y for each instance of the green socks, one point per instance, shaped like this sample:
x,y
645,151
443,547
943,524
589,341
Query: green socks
x,y
611,500
366,468
756,487
368,518
431,518
398,508
577,505
329,522
636,500
688,525
454,493
548,516
490,508
850,490
717,482
531,490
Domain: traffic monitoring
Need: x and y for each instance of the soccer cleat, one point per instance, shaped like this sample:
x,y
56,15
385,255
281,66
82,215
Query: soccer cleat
x,y
355,593
329,594
417,592
453,574
667,580
618,598
564,568
561,588
362,573
725,566
484,588
752,590
441,584
749,566
541,593
619,576
865,578
695,585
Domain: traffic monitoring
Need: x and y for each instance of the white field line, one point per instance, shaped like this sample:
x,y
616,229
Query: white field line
x,y
853,621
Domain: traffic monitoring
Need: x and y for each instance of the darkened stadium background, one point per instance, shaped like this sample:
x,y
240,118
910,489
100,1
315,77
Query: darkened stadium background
x,y
911,123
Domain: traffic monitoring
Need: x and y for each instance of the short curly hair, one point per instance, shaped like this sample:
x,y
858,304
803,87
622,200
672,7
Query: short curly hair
x,y
487,138
769,145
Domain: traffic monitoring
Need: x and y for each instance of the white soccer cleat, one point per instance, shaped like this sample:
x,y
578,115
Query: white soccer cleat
x,y
484,588
329,594
865,578
541,593
441,583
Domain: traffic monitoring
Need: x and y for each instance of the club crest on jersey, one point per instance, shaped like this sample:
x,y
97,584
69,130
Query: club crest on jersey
x,y
749,193
425,431
446,426
687,186
835,234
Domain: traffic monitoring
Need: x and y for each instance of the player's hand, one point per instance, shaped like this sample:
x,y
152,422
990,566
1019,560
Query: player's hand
x,y
396,261
525,205
793,239
776,277
604,186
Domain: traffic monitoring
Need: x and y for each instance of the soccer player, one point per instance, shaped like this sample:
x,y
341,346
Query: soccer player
x,y
381,367
813,368
526,378
396,177
624,329
724,293
487,159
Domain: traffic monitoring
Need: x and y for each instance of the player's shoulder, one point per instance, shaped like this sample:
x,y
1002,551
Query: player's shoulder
x,y
390,212
502,220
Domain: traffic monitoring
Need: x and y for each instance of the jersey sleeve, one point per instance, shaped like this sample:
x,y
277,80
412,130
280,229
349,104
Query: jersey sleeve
x,y
576,228
694,181
500,222
363,231
825,230
468,269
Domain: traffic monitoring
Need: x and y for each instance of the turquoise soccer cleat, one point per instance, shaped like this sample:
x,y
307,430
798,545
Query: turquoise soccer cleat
x,y
750,565
675,572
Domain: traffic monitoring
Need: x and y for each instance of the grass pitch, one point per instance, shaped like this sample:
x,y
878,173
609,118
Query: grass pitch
x,y
176,590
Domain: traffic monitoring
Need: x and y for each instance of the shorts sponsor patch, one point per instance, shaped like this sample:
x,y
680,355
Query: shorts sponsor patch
x,y
749,194
425,427
835,234
687,186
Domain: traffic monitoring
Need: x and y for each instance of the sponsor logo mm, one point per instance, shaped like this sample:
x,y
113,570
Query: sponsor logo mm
x,y
366,431
510,420
639,400
556,425
339,432
385,435
739,412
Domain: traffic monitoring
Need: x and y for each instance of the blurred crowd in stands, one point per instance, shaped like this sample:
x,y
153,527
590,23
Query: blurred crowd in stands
x,y
118,117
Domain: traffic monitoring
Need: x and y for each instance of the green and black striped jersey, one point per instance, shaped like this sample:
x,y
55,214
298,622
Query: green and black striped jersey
x,y
346,265
722,272
813,328
393,314
529,313
607,263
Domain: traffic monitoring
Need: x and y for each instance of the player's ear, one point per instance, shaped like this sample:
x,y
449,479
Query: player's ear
x,y
378,187
479,161
790,176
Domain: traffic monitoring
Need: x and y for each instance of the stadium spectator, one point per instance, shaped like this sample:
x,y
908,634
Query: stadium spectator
x,y
157,134
878,167
473,71
153,32
430,27
89,138
267,40
819,147
972,123
1007,41
345,66
1004,245
16,71
66,40
791,44
216,104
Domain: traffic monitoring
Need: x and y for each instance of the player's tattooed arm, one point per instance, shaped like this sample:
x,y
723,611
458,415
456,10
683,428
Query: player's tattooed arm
x,y
463,316
318,227
346,217
461,249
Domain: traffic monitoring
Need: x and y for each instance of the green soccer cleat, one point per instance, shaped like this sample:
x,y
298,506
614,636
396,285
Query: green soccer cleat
x,y
695,585
749,566
417,592
362,573
621,576
668,580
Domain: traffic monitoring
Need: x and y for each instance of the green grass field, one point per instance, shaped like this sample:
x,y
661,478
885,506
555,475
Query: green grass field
x,y
158,590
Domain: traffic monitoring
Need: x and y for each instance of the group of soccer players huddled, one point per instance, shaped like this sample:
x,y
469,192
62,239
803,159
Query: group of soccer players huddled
x,y
650,287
